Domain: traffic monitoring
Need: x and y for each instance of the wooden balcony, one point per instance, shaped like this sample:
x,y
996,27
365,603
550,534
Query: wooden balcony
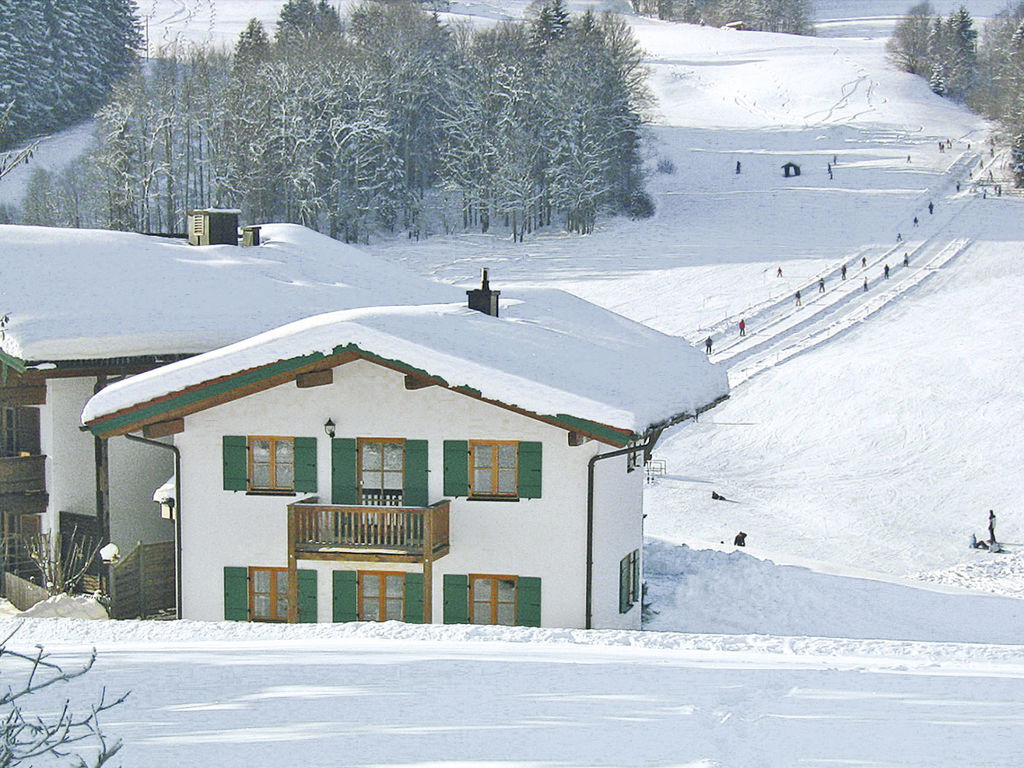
x,y
23,484
369,533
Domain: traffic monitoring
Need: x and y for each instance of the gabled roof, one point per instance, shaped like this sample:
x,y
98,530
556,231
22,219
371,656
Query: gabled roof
x,y
550,355
79,294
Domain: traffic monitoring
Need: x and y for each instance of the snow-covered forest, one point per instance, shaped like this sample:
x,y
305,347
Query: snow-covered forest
x,y
59,60
790,16
386,120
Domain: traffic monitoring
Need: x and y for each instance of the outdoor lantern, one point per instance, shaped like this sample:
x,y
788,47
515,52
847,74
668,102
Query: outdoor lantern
x,y
329,427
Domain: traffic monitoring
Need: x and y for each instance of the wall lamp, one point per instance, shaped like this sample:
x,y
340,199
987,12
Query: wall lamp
x,y
329,428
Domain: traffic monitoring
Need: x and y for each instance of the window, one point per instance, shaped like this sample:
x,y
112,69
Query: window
x,y
381,596
271,463
268,594
19,431
629,581
494,468
492,599
381,471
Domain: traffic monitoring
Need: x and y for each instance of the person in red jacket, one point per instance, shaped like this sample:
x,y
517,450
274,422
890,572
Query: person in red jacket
x,y
743,327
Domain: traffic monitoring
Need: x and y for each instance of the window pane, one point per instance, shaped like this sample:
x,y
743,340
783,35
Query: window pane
x,y
282,607
261,475
371,456
506,591
507,456
507,481
393,610
283,451
261,606
482,481
482,455
393,481
371,585
481,589
261,581
282,583
395,585
506,614
285,475
261,451
393,456
371,480
371,610
481,613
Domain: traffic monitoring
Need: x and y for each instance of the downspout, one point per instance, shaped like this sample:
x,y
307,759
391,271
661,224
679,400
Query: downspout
x,y
651,437
177,513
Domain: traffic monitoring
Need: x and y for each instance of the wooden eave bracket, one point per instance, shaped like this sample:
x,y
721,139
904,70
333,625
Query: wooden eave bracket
x,y
164,428
578,438
314,379
414,381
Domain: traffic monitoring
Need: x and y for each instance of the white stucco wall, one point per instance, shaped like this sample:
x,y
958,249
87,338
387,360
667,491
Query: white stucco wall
x,y
135,472
70,463
543,537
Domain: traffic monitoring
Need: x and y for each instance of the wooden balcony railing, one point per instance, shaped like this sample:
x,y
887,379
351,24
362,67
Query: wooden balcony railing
x,y
402,532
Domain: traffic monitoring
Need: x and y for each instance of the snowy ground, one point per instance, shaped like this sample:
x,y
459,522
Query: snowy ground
x,y
867,437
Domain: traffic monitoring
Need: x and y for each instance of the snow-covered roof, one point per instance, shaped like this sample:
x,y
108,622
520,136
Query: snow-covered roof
x,y
74,294
549,353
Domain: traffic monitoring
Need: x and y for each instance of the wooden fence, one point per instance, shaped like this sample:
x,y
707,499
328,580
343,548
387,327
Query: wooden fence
x,y
22,592
142,583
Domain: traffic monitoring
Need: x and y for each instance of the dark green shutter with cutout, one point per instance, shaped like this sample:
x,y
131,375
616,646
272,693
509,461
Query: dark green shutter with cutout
x,y
307,597
456,599
236,594
412,611
528,601
415,493
344,485
236,463
624,585
305,464
456,468
529,470
345,599
637,588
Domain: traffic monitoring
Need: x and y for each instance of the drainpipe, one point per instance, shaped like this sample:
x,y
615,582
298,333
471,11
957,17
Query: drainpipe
x,y
177,514
652,435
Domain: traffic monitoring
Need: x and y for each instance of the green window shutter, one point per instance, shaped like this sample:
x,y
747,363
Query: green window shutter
x,y
456,599
236,594
624,585
637,589
344,488
307,597
346,596
413,610
528,601
456,467
415,493
529,470
305,464
236,463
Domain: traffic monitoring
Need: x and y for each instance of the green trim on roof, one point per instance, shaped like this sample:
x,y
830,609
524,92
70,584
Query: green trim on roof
x,y
135,415
8,361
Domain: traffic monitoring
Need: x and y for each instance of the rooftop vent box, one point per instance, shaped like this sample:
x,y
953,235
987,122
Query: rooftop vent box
x,y
213,226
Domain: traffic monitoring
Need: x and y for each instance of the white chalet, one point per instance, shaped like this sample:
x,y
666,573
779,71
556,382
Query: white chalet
x,y
80,309
422,463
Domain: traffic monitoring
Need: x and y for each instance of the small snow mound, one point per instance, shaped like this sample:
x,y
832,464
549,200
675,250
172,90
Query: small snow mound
x,y
7,608
998,573
67,607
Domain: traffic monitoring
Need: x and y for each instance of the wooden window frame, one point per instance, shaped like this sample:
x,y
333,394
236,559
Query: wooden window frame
x,y
274,572
493,494
273,487
632,573
381,594
494,578
360,442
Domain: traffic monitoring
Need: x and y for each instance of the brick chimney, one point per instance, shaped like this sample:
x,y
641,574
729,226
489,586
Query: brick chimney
x,y
483,299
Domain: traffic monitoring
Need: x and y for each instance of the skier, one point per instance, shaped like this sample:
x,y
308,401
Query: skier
x,y
707,345
958,186
743,327
779,273
906,259
863,262
740,540
737,166
899,237
865,284
915,221
835,159
843,272
830,172
991,527
931,207
885,271
798,299
821,285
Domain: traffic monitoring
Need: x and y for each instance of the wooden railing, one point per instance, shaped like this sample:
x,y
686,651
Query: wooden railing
x,y
22,475
319,527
